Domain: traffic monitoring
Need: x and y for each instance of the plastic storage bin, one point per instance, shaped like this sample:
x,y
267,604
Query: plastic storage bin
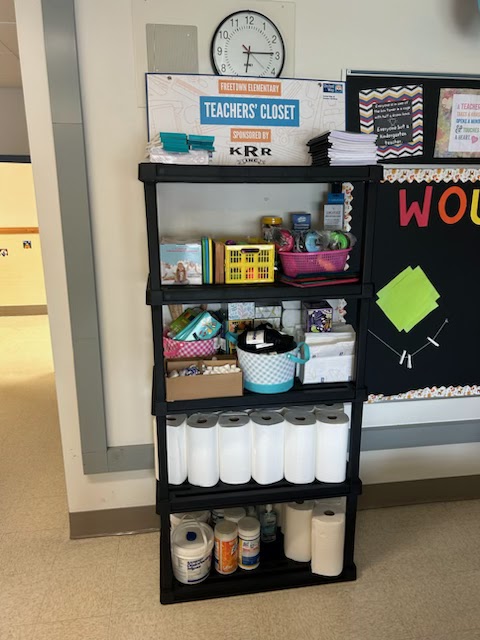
x,y
249,264
295,264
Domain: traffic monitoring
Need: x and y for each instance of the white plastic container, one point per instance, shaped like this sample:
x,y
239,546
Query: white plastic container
x,y
177,518
192,545
300,437
234,514
267,446
226,547
234,448
248,543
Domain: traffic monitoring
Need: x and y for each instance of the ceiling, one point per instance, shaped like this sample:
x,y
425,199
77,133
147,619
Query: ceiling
x,y
9,60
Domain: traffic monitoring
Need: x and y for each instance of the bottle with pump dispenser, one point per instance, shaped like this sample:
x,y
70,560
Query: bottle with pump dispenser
x,y
268,531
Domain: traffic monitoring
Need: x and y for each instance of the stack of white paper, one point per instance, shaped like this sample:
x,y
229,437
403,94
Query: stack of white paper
x,y
337,148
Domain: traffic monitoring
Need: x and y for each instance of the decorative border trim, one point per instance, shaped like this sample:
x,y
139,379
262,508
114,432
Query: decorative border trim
x,y
442,174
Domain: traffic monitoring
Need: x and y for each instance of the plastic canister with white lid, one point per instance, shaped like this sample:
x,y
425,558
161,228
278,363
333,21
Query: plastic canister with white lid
x,y
192,545
226,547
248,543
234,514
200,516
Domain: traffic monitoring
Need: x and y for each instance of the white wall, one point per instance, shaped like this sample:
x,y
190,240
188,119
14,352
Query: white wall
x,y
13,126
439,35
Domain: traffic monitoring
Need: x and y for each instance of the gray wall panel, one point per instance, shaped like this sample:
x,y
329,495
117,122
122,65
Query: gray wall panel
x,y
131,458
62,60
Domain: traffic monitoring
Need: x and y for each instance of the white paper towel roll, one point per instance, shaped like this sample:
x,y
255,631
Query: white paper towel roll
x,y
297,542
202,450
177,448
328,539
309,408
334,407
332,445
267,446
300,434
234,448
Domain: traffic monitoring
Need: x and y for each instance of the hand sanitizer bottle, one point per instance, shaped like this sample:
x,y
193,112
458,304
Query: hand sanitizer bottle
x,y
268,532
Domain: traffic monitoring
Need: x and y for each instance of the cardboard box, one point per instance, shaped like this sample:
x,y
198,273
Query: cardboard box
x,y
198,387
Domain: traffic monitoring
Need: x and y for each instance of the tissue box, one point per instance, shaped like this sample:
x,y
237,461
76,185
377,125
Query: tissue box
x,y
236,326
181,262
265,313
301,221
317,316
241,310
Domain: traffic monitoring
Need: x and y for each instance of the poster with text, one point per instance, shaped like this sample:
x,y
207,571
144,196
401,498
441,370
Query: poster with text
x,y
458,125
254,120
395,114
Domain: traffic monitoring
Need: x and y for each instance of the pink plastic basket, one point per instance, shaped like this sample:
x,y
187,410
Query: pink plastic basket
x,y
182,349
295,264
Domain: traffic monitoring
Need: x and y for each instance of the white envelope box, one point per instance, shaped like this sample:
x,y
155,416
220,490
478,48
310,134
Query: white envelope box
x,y
332,357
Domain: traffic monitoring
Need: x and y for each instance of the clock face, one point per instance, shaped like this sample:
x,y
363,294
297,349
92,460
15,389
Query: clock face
x,y
247,43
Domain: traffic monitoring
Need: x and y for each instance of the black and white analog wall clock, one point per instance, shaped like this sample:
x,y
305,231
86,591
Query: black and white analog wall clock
x,y
247,43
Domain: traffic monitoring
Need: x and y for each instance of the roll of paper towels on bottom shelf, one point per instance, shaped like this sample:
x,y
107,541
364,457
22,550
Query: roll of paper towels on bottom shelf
x,y
337,504
202,450
328,539
298,531
177,448
332,446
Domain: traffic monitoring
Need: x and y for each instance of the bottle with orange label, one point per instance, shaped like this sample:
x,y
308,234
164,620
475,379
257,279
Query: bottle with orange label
x,y
226,547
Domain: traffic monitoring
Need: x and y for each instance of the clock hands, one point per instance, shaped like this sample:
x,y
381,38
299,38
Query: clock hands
x,y
253,53
247,64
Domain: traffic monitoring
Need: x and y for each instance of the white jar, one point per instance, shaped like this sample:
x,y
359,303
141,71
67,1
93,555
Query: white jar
x,y
226,547
248,543
234,514
200,516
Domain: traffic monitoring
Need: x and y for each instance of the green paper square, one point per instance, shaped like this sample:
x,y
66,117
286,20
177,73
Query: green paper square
x,y
408,298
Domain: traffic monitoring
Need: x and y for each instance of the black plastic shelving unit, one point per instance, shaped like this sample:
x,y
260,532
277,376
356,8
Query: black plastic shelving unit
x,y
275,571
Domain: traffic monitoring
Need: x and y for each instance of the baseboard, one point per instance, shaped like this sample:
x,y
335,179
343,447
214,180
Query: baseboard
x,y
392,494
111,522
24,310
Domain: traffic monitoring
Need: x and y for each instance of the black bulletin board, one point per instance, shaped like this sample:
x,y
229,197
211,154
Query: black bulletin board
x,y
431,91
449,254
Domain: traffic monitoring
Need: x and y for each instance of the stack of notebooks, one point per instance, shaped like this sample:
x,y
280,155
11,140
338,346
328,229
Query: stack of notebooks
x,y
208,261
341,148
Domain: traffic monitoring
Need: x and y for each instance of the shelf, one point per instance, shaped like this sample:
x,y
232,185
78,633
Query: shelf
x,y
265,292
300,394
156,172
275,572
186,497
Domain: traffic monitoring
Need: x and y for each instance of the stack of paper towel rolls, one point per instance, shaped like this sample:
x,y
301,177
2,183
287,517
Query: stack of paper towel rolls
x,y
296,444
315,532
